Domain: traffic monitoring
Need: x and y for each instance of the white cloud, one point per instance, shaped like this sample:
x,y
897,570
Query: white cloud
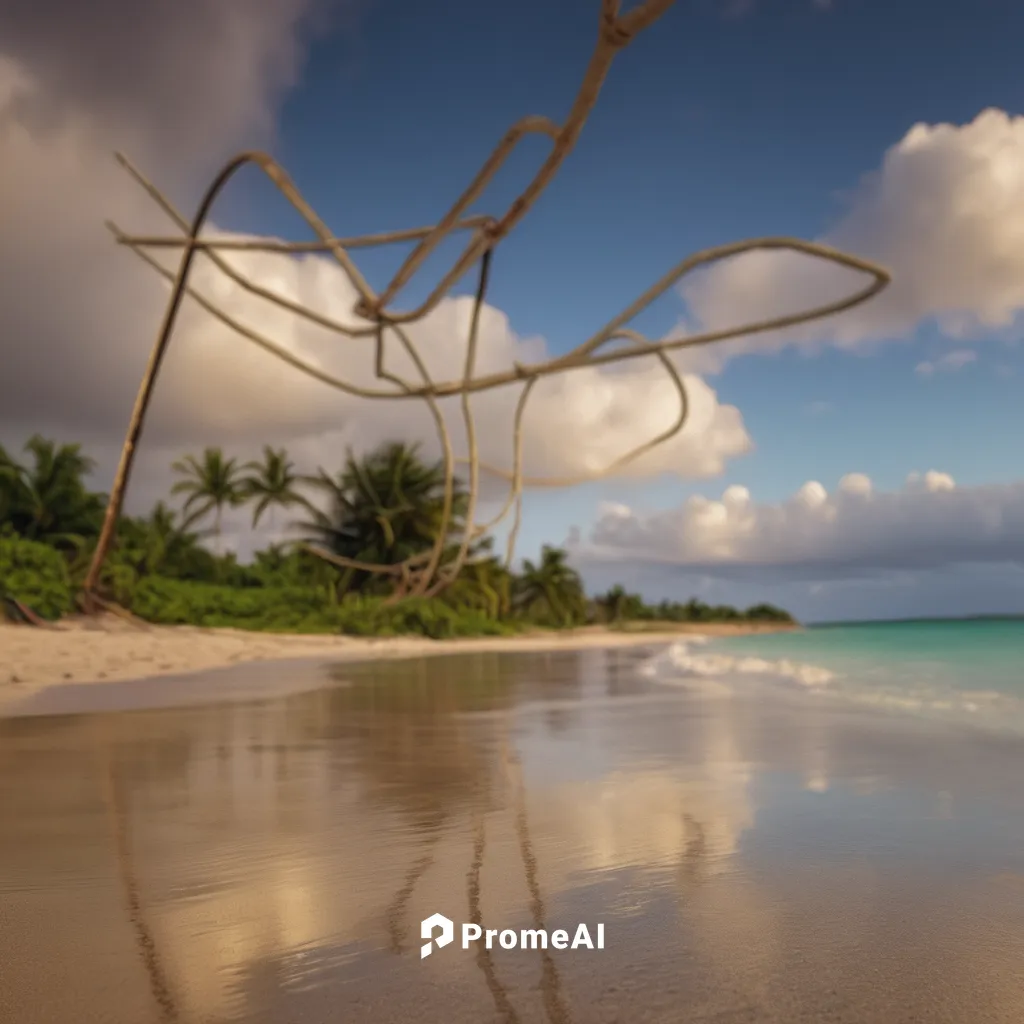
x,y
78,314
855,530
943,212
950,362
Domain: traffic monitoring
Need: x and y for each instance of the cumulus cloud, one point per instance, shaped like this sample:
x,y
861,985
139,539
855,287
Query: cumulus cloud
x,y
179,85
943,212
855,530
575,423
949,363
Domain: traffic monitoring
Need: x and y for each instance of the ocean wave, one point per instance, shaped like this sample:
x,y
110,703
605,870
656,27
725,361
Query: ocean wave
x,y
929,683
680,661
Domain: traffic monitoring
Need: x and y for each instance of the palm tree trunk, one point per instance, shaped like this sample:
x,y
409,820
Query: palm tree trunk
x,y
145,393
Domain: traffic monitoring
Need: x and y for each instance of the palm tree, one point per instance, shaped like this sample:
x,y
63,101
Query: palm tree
x,y
613,604
271,484
383,508
485,584
48,500
619,605
552,588
211,484
158,543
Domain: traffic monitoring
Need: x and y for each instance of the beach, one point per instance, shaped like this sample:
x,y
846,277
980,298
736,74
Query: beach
x,y
753,853
109,649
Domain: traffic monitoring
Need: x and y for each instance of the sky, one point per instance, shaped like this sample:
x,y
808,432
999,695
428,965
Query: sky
x,y
862,466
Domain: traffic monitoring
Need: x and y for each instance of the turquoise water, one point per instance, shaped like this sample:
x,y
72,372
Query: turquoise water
x,y
962,668
975,654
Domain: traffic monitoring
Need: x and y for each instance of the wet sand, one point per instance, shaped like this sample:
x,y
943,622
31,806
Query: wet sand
x,y
766,857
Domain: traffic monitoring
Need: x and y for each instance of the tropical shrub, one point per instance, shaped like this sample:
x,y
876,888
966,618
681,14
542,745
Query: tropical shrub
x,y
302,610
430,617
278,609
37,575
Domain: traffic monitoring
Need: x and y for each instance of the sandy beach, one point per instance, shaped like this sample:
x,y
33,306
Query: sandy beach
x,y
109,649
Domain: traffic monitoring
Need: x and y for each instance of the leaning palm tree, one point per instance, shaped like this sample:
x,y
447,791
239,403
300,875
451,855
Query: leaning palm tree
x,y
552,588
211,484
271,484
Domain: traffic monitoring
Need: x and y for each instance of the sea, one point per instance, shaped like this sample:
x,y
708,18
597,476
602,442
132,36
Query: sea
x,y
966,669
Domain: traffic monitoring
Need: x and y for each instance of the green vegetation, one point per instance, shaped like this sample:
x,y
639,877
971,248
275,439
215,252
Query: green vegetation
x,y
382,508
35,574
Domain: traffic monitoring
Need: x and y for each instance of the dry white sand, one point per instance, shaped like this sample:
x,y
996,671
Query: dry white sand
x,y
108,649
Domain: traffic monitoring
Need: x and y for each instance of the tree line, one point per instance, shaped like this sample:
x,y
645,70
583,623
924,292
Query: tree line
x,y
381,508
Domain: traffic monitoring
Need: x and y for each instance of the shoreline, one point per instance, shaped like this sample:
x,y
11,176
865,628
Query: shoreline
x,y
89,652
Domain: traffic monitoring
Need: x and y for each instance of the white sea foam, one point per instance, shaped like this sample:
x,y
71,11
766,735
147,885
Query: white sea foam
x,y
681,662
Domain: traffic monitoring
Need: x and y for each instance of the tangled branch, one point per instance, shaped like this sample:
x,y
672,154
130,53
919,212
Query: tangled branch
x,y
376,320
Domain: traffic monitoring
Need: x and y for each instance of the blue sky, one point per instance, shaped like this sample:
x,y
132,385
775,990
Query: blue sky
x,y
727,119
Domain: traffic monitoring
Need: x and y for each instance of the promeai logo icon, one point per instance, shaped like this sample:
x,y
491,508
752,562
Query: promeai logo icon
x,y
427,927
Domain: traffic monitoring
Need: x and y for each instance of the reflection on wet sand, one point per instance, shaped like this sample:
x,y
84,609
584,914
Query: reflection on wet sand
x,y
484,955
550,984
148,952
753,857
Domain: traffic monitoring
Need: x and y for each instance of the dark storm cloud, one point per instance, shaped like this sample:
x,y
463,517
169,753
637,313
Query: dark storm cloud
x,y
177,72
178,84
